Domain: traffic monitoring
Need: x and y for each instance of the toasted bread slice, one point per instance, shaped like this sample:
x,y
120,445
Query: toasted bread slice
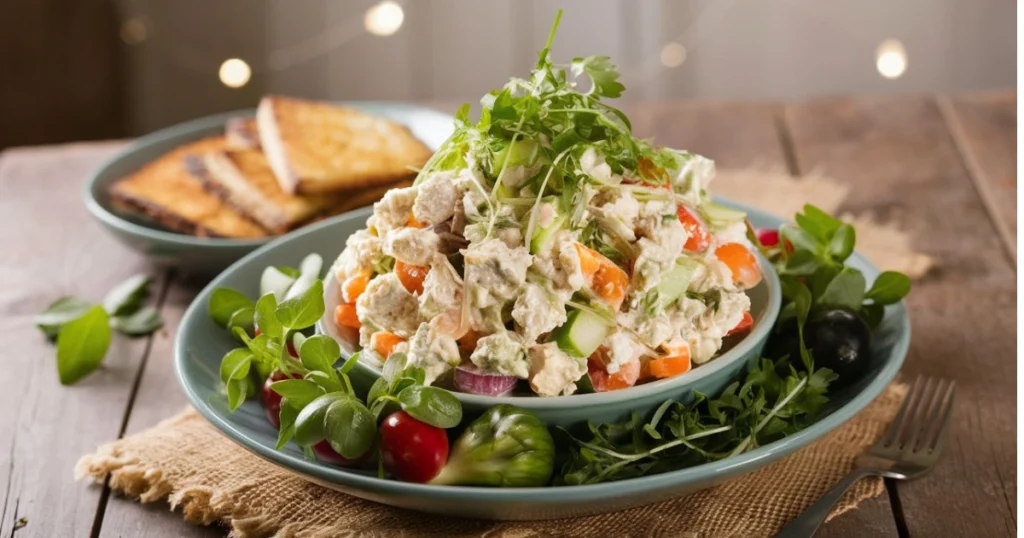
x,y
164,191
317,147
241,134
244,180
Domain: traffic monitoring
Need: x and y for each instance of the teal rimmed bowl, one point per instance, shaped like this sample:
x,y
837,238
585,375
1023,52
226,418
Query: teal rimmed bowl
x,y
575,410
200,345
210,255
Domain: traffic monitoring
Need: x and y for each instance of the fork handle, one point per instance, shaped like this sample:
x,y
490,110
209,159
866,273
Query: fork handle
x,y
807,522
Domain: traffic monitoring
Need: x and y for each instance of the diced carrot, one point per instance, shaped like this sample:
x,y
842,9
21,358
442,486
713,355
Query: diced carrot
x,y
354,286
345,316
469,340
602,381
669,366
607,280
413,223
384,343
741,262
745,324
697,236
411,276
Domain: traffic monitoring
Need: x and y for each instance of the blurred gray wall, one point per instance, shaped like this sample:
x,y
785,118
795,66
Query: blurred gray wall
x,y
456,50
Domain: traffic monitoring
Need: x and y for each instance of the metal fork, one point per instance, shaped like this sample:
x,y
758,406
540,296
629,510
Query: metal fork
x,y
910,448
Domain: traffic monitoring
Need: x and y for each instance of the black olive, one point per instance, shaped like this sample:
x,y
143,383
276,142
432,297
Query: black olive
x,y
838,339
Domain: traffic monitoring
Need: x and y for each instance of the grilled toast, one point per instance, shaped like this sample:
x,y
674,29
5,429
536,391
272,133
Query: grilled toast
x,y
244,180
241,134
164,191
318,147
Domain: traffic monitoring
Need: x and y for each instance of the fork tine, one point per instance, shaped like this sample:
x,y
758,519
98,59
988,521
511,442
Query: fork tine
x,y
930,414
892,435
934,440
919,421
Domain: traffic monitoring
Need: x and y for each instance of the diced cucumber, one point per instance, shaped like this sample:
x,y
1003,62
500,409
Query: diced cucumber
x,y
522,153
674,283
718,215
544,238
581,334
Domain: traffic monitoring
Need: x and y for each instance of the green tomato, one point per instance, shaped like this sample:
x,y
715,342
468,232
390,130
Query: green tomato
x,y
505,447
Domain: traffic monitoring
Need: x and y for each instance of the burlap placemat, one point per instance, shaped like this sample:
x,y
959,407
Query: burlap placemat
x,y
186,461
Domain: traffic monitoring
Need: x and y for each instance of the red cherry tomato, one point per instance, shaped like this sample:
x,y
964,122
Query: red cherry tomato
x,y
412,450
271,399
768,237
326,454
602,381
698,238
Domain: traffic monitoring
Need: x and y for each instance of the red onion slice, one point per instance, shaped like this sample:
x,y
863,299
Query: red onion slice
x,y
469,379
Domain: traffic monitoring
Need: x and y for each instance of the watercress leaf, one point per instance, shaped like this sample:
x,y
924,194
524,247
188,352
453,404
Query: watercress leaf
x,y
417,374
349,363
81,345
802,263
265,317
224,302
350,428
60,312
299,392
287,429
401,383
431,405
818,281
378,389
126,297
238,390
827,223
842,242
394,366
889,288
305,310
243,318
309,424
872,314
846,290
330,383
235,364
801,239
142,322
320,352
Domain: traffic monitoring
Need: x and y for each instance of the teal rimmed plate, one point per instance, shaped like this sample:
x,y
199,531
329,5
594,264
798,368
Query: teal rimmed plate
x,y
200,345
210,255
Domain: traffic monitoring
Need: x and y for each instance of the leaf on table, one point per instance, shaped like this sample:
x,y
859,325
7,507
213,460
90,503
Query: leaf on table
x,y
82,344
60,312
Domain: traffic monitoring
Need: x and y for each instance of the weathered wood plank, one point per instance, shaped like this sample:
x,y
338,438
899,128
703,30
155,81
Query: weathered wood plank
x,y
897,153
52,248
984,128
159,397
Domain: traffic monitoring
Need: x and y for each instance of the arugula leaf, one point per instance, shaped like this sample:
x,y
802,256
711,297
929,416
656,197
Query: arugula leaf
x,y
127,297
60,312
224,302
81,345
141,323
602,73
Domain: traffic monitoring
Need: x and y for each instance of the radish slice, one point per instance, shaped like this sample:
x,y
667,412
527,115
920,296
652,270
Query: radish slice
x,y
469,379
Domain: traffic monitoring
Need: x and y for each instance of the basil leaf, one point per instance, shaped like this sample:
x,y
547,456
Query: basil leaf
x,y
842,242
224,302
265,316
127,297
287,428
238,389
846,290
320,352
60,312
309,424
890,287
141,323
243,318
431,405
299,392
305,310
350,428
235,364
81,345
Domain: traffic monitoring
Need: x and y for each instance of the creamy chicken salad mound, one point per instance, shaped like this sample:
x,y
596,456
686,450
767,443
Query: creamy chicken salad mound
x,y
545,243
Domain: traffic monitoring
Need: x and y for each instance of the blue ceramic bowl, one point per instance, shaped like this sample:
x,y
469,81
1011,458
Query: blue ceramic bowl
x,y
200,345
207,255
569,411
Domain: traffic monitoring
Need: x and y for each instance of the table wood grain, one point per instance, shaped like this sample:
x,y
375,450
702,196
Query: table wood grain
x,y
943,168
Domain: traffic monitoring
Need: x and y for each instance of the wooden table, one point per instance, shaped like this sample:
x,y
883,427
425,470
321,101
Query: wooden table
x,y
943,168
